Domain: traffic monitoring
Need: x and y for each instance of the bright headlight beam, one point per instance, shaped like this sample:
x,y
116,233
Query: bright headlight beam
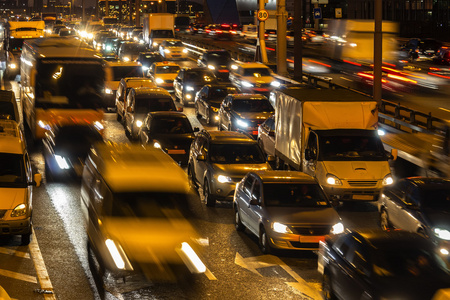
x,y
120,264
193,257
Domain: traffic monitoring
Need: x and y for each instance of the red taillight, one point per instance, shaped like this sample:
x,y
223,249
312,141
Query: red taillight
x,y
219,31
365,75
266,35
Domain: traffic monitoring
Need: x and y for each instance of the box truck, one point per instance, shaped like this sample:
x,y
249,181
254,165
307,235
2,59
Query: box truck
x,y
332,135
157,28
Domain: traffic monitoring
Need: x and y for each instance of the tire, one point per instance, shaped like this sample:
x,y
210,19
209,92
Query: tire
x,y
191,176
384,220
237,221
26,238
209,199
327,287
119,117
264,242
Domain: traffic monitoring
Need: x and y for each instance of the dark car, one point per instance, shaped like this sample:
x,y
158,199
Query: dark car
x,y
130,51
374,264
418,204
146,59
266,135
65,149
208,100
189,81
109,47
429,47
218,61
442,56
222,32
170,131
197,28
244,112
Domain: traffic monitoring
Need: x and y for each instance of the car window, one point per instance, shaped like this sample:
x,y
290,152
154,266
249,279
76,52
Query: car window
x,y
144,105
252,105
248,185
256,192
170,125
167,69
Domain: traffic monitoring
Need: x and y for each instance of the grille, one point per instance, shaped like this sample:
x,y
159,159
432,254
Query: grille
x,y
362,183
312,246
168,81
312,230
2,213
262,84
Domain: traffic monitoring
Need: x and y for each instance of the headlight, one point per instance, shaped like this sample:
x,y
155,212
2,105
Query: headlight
x,y
61,161
241,123
19,210
108,91
155,44
234,67
98,125
166,51
43,125
224,179
275,83
12,66
189,89
157,145
337,228
159,80
211,67
144,68
280,228
442,233
126,58
333,180
139,123
90,36
108,48
381,132
246,84
185,50
387,180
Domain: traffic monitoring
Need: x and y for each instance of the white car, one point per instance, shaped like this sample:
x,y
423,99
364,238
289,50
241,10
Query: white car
x,y
173,49
253,78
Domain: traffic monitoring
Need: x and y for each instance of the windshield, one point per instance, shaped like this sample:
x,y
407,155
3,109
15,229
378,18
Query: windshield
x,y
351,147
169,125
144,105
294,195
70,84
436,199
167,69
252,105
236,154
120,72
257,72
162,34
7,111
15,45
134,48
174,44
222,58
199,76
12,170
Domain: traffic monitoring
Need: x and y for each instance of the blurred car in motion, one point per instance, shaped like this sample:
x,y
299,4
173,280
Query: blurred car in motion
x,y
129,51
253,78
442,56
197,28
16,182
421,205
208,100
169,131
221,32
172,48
270,35
141,197
109,47
124,88
65,149
164,73
67,32
141,101
375,264
429,47
218,160
146,59
218,61
244,112
285,210
266,135
189,81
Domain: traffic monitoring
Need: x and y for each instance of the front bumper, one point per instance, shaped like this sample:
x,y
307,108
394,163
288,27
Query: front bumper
x,y
223,191
295,241
349,193
13,227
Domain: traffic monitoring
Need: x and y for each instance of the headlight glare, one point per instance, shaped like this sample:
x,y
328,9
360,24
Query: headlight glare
x,y
159,80
157,145
224,179
275,83
387,180
211,67
337,228
108,91
333,180
138,123
247,84
280,228
443,234
241,123
189,88
61,161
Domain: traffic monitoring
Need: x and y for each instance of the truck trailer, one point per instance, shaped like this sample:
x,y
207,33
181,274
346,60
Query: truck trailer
x,y
157,28
331,134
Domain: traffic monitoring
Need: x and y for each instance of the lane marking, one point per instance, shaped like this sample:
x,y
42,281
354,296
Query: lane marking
x,y
39,265
210,275
448,110
14,252
344,78
18,276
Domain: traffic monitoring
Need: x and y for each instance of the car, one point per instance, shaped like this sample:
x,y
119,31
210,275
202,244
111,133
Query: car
x,y
110,47
266,135
129,51
189,81
124,87
285,210
270,35
141,197
253,78
172,48
244,112
221,32
141,101
218,61
171,132
164,73
208,100
67,32
376,264
250,32
429,47
65,149
442,56
146,59
197,28
418,204
9,108
16,182
218,160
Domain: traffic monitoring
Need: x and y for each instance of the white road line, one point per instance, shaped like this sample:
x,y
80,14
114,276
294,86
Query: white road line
x,y
39,265
448,110
14,252
344,78
210,275
18,276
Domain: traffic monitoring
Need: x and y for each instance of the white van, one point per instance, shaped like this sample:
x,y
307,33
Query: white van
x,y
134,202
16,182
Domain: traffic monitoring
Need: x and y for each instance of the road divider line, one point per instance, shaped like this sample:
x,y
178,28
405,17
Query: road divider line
x,y
41,270
19,276
444,109
14,252
210,275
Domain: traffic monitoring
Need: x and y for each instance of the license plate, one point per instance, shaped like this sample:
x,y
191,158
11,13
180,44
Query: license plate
x,y
362,197
174,151
312,239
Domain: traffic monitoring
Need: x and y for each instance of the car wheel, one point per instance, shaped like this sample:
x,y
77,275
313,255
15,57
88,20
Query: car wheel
x,y
327,288
264,242
26,238
237,221
197,113
384,220
119,117
192,176
209,199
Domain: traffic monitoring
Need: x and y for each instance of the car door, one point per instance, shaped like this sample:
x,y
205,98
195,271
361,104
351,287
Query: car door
x,y
202,96
395,203
200,165
144,131
129,116
311,155
178,84
255,210
225,112
408,215
243,197
267,136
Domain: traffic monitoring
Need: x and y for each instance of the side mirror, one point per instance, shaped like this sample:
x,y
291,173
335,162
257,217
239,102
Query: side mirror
x,y
201,158
37,179
254,201
196,129
394,154
271,158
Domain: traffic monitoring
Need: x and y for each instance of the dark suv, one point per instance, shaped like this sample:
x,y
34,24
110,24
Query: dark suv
x,y
219,160
244,112
189,81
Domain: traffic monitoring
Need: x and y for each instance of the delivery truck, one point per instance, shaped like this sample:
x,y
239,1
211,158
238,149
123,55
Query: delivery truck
x,y
331,134
157,28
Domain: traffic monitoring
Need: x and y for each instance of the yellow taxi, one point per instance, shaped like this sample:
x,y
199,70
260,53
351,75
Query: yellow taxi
x,y
164,73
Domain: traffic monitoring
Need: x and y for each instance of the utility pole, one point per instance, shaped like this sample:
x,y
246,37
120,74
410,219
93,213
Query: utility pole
x,y
261,41
138,12
106,8
281,37
298,47
377,51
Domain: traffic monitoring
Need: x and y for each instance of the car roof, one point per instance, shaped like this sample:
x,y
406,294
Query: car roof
x,y
429,182
380,239
122,63
166,63
253,65
217,136
248,96
175,114
11,138
271,176
151,91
